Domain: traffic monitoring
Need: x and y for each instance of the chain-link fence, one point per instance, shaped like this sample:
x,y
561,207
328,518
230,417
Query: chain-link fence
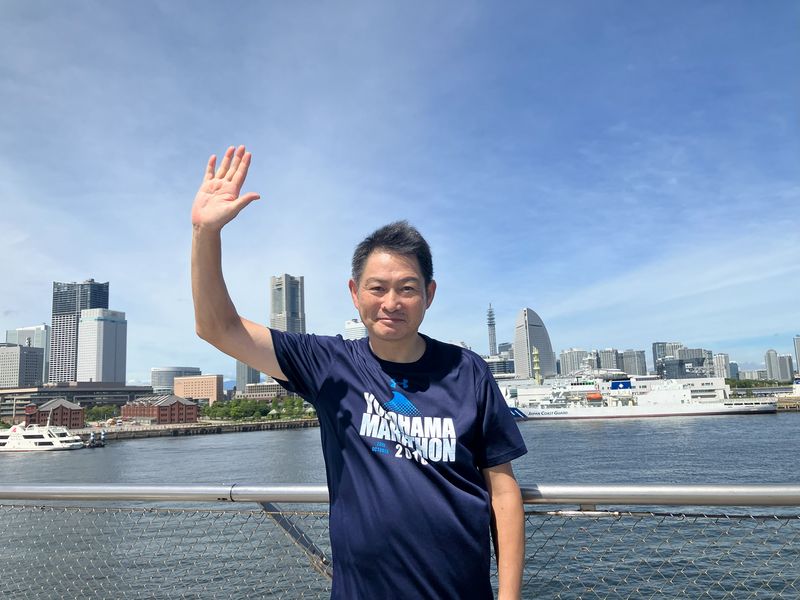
x,y
92,552
56,551
662,555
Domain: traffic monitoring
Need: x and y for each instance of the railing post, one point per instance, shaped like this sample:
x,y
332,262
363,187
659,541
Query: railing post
x,y
316,557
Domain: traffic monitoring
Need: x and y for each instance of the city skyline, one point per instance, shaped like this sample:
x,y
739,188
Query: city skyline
x,y
233,374
635,166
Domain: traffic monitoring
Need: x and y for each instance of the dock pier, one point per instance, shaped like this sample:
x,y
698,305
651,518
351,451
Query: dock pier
x,y
127,432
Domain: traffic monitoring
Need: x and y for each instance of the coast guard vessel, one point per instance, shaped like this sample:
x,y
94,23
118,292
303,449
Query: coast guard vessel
x,y
596,397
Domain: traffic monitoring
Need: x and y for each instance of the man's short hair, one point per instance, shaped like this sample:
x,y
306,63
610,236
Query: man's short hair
x,y
396,238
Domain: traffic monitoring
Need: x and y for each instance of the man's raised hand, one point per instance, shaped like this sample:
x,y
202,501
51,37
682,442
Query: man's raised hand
x,y
218,200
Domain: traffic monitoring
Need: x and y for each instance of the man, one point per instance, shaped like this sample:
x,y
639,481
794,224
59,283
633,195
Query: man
x,y
416,436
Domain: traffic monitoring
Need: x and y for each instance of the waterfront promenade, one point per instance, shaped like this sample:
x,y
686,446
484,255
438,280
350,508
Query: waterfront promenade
x,y
129,431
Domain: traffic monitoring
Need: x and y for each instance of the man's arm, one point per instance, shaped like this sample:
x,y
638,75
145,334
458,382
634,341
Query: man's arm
x,y
217,202
508,529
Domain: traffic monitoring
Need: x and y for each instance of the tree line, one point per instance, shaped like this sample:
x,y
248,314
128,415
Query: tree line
x,y
286,407
756,383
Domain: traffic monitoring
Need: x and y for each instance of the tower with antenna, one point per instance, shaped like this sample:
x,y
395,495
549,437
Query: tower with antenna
x,y
492,333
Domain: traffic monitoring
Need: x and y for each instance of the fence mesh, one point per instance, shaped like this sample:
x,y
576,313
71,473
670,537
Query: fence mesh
x,y
79,552
661,555
110,552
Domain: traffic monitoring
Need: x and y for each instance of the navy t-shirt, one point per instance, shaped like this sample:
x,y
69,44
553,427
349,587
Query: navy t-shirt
x,y
404,445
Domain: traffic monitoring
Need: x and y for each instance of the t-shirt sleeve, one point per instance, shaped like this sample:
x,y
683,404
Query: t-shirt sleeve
x,y
502,441
304,359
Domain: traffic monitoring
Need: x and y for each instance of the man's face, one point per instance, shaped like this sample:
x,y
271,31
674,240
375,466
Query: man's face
x,y
391,296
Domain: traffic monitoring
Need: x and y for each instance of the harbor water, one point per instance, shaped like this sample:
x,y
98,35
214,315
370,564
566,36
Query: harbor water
x,y
716,450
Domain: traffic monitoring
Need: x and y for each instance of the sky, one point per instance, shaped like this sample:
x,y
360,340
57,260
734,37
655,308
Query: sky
x,y
628,170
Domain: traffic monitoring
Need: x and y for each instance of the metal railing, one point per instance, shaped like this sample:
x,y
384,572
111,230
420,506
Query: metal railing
x,y
200,541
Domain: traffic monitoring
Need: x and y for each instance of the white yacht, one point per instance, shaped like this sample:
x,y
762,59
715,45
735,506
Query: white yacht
x,y
598,398
20,438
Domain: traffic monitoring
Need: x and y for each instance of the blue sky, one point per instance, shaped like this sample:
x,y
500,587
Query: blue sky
x,y
629,170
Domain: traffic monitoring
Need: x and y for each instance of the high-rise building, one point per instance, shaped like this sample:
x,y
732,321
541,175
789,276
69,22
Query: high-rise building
x,y
694,353
102,345
734,367
162,379
674,348
702,360
771,362
609,358
758,375
722,365
670,367
797,351
36,336
591,360
245,374
659,352
634,362
506,347
530,333
354,329
785,367
572,360
288,307
20,366
492,332
69,299
662,350
500,365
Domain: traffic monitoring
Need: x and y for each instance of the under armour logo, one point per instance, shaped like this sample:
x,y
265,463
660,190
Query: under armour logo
x,y
403,384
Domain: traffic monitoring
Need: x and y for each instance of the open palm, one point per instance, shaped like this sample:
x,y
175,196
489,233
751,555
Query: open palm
x,y
218,200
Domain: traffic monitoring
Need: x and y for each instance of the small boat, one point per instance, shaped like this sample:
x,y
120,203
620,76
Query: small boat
x,y
20,438
95,441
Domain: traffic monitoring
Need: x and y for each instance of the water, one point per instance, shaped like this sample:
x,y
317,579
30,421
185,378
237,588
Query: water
x,y
716,450
567,557
754,449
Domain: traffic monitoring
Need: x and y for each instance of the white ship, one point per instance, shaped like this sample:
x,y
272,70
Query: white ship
x,y
20,438
596,398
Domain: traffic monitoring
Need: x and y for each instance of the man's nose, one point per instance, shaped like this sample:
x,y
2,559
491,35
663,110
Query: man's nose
x,y
391,300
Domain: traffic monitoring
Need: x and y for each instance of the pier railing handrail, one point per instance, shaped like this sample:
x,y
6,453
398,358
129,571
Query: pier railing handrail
x,y
583,495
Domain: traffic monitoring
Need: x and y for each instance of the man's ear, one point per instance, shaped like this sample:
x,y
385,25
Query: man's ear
x,y
353,292
430,292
